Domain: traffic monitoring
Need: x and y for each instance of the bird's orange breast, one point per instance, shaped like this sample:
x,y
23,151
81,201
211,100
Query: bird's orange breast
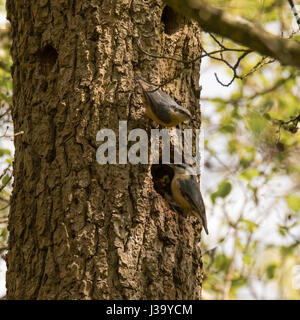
x,y
177,195
152,116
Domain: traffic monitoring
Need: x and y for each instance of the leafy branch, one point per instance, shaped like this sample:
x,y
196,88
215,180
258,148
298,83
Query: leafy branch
x,y
241,31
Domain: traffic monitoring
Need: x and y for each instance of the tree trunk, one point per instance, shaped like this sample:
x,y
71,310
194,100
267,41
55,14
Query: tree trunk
x,y
78,229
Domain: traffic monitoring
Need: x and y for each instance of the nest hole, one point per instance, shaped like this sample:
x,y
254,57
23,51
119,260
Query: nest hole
x,y
170,20
162,176
47,57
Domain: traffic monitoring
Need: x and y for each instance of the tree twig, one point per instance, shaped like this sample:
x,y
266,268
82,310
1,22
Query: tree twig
x,y
239,30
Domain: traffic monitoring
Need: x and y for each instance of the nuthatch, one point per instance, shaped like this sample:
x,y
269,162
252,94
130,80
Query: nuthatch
x,y
161,108
186,192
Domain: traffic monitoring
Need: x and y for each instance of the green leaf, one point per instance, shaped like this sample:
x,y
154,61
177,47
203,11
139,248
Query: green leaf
x,y
249,174
251,226
5,152
227,129
256,123
5,179
238,282
267,116
271,270
4,234
287,250
266,106
293,202
247,258
282,230
223,191
222,262
232,146
297,38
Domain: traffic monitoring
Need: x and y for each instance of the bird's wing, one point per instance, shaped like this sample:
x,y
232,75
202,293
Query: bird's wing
x,y
165,101
160,104
190,190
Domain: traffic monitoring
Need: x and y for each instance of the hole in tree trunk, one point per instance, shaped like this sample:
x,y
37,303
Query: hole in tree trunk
x,y
162,176
47,56
170,20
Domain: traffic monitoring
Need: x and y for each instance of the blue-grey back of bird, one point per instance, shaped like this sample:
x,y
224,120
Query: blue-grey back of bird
x,y
163,109
160,103
191,191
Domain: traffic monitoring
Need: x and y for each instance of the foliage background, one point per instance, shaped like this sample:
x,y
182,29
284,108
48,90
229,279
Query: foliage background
x,y
251,173
252,166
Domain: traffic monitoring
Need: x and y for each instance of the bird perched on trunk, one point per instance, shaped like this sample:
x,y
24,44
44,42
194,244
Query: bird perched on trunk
x,y
186,192
161,108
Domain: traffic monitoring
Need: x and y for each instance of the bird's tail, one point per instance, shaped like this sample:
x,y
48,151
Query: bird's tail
x,y
204,223
202,215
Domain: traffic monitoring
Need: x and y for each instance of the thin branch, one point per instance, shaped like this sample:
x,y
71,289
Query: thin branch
x,y
4,200
7,127
290,125
275,86
189,62
6,112
8,180
4,208
259,65
4,172
2,249
234,70
239,30
216,40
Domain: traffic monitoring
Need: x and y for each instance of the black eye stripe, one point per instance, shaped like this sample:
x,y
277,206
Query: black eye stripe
x,y
182,111
185,112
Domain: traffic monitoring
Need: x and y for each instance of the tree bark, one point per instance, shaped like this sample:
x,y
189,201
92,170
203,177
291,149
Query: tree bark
x,y
78,229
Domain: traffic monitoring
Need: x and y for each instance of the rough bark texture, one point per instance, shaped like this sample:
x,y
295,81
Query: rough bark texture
x,y
79,230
